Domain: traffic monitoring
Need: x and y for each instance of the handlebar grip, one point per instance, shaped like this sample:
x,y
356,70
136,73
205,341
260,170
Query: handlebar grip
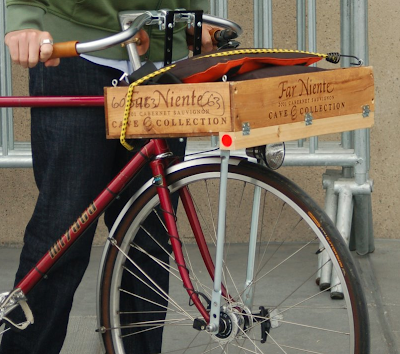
x,y
218,36
64,50
224,36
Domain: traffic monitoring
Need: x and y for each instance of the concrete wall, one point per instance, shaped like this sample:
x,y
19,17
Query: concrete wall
x,y
19,192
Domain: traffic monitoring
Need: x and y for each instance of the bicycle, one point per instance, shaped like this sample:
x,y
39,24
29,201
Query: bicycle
x,y
225,304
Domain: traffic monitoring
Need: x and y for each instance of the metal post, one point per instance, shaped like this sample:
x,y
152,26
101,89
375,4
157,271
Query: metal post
x,y
345,31
362,219
6,118
343,223
312,25
263,30
312,47
301,25
360,29
219,8
301,36
257,24
345,44
360,49
331,206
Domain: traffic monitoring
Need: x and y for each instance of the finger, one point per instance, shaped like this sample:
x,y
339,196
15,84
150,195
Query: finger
x,y
206,40
33,52
23,49
24,46
45,46
13,48
45,52
52,62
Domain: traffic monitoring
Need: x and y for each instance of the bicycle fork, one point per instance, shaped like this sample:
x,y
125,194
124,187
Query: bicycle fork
x,y
213,326
212,314
157,167
211,317
218,289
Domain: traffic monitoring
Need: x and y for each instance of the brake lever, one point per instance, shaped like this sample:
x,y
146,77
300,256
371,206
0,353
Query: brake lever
x,y
231,44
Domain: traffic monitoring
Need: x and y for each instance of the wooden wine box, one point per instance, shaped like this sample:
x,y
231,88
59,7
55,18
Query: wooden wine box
x,y
248,113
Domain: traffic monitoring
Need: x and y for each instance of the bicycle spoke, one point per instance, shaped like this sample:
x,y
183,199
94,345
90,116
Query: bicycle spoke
x,y
172,270
152,324
4,331
316,328
307,299
162,264
156,288
171,255
274,308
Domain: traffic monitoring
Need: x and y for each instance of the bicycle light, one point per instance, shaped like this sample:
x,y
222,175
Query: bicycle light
x,y
272,155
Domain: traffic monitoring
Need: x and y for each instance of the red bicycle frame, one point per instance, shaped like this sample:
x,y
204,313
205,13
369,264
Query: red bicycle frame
x,y
149,152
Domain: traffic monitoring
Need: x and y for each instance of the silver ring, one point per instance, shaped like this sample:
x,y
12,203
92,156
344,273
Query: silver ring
x,y
46,41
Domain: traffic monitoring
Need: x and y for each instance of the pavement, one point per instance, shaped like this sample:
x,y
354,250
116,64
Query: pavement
x,y
379,272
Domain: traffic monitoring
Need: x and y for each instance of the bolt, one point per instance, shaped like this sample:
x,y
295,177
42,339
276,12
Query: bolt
x,y
211,328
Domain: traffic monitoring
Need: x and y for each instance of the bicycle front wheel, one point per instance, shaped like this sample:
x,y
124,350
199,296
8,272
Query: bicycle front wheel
x,y
271,303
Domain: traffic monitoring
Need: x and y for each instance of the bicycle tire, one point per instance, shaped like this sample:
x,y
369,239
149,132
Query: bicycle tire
x,y
339,326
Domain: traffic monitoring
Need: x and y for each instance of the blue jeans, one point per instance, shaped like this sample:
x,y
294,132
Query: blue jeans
x,y
72,163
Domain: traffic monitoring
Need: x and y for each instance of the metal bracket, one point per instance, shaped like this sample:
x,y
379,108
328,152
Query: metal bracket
x,y
246,128
168,22
366,111
308,118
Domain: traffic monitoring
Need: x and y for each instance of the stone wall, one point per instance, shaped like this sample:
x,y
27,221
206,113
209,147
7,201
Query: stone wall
x,y
19,191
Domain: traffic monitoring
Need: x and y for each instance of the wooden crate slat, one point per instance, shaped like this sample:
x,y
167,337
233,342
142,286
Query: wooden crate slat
x,y
295,131
170,110
278,105
287,99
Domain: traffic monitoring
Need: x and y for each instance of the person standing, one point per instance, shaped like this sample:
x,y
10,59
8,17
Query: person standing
x,y
72,160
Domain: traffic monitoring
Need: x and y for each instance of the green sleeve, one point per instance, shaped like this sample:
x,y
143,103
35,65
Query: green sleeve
x,y
200,5
24,16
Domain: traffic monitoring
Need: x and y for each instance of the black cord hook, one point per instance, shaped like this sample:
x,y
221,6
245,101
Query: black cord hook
x,y
358,63
335,58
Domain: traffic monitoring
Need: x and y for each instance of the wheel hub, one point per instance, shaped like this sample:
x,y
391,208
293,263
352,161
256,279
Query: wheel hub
x,y
233,323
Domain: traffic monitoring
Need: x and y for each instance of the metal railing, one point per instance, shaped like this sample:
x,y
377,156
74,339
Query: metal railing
x,y
12,154
348,191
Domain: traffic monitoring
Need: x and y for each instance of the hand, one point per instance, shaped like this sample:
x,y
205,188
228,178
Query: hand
x,y
206,40
26,49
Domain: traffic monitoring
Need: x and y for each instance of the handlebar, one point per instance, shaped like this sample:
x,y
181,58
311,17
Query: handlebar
x,y
73,48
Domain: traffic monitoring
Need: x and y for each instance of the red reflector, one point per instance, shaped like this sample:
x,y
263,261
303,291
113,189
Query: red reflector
x,y
226,140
